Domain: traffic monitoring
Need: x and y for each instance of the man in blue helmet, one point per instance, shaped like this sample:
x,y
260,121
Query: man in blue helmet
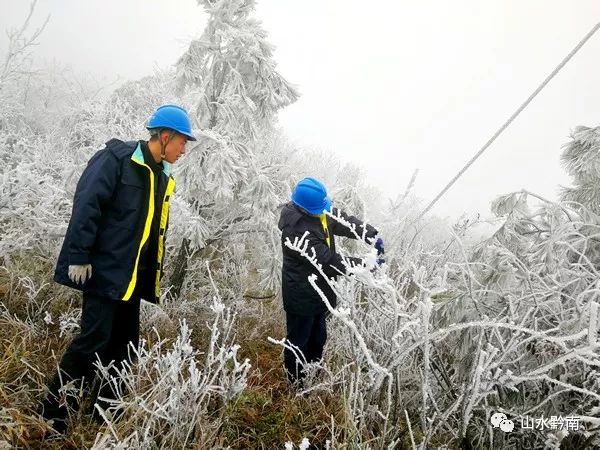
x,y
305,310
114,248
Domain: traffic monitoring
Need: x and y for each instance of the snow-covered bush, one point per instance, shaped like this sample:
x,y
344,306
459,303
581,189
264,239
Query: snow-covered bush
x,y
173,397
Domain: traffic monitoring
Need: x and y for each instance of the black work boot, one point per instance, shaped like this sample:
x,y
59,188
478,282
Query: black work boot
x,y
55,413
58,402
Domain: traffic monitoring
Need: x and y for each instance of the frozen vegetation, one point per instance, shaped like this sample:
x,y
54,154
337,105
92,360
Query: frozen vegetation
x,y
458,326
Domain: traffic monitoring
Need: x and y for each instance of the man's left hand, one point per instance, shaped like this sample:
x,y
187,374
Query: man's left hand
x,y
379,246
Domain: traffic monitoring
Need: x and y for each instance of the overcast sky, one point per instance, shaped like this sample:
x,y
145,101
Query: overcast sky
x,y
391,86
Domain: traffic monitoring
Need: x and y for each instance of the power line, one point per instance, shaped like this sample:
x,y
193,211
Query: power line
x,y
510,120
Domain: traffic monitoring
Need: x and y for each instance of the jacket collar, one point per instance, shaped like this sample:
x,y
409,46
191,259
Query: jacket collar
x,y
138,157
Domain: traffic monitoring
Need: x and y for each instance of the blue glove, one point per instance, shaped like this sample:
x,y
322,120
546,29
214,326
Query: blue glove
x,y
379,246
378,265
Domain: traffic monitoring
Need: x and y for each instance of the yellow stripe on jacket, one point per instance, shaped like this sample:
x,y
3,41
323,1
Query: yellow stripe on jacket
x,y
161,239
145,233
323,218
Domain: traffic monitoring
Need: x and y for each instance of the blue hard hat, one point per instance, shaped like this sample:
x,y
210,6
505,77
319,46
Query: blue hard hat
x,y
310,194
172,117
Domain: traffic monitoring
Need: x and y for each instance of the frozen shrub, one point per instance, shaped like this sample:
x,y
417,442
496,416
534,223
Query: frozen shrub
x,y
173,397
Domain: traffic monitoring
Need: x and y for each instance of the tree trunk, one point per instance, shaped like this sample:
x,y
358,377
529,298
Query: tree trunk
x,y
180,268
181,261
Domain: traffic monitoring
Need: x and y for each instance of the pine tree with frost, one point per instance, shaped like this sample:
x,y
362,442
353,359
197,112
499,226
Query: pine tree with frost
x,y
581,159
231,176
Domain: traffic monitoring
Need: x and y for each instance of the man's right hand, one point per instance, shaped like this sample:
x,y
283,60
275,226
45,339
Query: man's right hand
x,y
79,274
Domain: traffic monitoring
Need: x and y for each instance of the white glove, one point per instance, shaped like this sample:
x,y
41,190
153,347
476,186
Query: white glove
x,y
81,273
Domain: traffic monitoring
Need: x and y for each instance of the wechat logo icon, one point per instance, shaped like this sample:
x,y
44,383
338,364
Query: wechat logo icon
x,y
499,420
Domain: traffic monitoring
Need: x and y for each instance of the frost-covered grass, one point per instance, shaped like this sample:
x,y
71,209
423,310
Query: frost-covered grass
x,y
195,387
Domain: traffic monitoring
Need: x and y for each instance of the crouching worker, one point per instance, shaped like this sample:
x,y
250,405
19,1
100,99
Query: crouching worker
x,y
305,310
114,248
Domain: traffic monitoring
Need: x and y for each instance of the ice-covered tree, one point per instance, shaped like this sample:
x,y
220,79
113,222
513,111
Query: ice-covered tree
x,y
232,178
17,76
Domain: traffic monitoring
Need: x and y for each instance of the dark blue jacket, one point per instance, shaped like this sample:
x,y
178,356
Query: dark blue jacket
x,y
111,223
299,297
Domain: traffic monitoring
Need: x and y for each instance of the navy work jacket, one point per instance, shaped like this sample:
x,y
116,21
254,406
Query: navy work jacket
x,y
299,297
113,208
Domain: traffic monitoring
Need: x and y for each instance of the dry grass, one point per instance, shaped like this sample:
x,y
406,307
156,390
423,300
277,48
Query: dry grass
x,y
29,349
269,412
26,358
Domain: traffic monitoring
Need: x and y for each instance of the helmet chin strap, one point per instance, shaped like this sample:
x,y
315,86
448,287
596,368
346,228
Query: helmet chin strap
x,y
163,146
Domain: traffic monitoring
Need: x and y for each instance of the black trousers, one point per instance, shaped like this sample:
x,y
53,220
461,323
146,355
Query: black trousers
x,y
108,327
309,334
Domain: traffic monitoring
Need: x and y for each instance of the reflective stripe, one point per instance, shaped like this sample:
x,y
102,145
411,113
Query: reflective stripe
x,y
147,227
323,218
164,217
